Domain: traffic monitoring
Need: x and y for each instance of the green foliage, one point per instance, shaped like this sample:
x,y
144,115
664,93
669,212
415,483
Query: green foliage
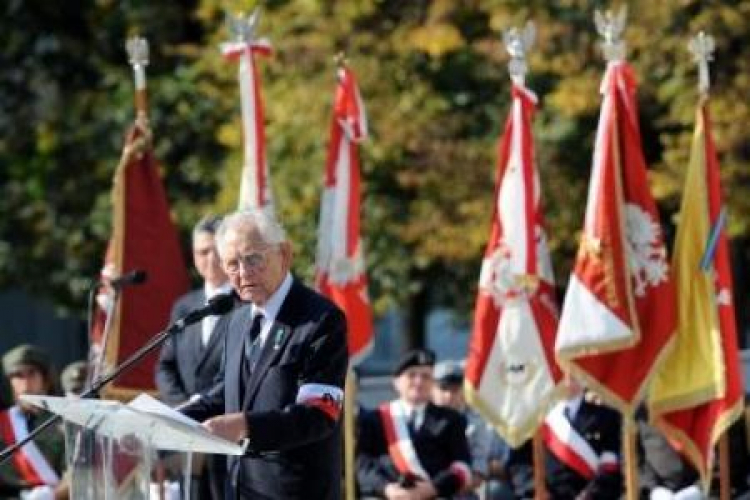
x,y
434,81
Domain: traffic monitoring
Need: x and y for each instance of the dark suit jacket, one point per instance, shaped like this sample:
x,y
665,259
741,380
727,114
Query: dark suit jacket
x,y
295,448
186,367
439,441
601,427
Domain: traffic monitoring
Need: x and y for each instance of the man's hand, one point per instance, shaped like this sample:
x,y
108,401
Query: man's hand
x,y
395,491
424,490
231,426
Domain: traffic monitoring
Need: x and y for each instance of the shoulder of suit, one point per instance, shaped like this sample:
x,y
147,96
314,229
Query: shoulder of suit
x,y
317,303
190,298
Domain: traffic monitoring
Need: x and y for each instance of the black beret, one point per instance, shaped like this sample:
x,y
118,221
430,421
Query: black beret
x,y
415,357
449,373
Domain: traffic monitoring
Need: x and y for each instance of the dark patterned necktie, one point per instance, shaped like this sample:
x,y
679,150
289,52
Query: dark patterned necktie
x,y
252,342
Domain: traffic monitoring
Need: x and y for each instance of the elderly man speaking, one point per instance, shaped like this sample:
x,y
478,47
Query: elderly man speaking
x,y
283,371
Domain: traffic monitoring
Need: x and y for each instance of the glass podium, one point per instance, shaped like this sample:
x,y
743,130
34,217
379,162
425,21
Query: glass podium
x,y
113,448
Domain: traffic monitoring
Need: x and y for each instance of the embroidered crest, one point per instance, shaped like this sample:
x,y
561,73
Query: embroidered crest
x,y
646,255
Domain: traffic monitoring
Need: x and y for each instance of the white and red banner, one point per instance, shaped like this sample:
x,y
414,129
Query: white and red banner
x,y
255,190
341,273
619,310
511,372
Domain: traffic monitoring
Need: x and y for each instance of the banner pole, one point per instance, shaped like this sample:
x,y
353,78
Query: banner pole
x,y
631,457
725,487
350,395
540,486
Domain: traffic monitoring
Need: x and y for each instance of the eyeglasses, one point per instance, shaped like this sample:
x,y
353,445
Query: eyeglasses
x,y
251,262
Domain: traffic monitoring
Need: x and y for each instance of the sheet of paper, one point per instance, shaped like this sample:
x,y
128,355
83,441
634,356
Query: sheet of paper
x,y
149,404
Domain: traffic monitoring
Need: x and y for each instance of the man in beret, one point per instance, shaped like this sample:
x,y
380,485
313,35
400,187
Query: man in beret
x,y
410,448
73,378
35,470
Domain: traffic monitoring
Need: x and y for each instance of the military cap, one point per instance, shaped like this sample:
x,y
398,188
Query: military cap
x,y
73,377
25,354
449,373
415,357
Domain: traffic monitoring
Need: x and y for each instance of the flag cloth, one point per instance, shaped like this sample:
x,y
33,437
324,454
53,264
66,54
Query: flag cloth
x,y
698,393
255,191
511,372
619,311
340,264
143,238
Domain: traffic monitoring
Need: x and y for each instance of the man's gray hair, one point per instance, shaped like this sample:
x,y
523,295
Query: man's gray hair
x,y
245,221
208,224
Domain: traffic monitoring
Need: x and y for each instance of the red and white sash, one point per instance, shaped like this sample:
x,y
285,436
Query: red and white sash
x,y
400,447
571,448
29,461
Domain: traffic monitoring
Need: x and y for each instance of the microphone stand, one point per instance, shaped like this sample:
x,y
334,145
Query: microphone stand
x,y
100,382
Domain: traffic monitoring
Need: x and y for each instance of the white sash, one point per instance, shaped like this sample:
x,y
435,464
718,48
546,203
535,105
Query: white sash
x,y
400,447
567,444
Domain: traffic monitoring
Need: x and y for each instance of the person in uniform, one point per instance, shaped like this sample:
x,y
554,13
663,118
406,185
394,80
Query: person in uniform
x,y
283,370
73,378
582,438
34,471
410,448
190,361
448,392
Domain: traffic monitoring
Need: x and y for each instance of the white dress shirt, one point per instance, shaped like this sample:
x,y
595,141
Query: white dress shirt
x,y
209,322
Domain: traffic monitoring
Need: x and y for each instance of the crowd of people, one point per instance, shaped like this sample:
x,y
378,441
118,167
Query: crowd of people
x,y
270,374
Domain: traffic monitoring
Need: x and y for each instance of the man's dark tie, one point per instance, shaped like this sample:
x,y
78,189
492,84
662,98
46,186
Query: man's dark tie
x,y
252,342
411,423
251,354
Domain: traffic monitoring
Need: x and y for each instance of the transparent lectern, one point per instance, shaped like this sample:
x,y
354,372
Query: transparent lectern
x,y
112,448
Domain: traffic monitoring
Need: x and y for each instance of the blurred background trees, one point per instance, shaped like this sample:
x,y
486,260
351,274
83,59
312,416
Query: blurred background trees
x,y
434,79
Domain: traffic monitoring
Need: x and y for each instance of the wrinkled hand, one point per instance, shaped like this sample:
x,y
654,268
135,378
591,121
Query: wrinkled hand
x,y
394,491
424,490
231,426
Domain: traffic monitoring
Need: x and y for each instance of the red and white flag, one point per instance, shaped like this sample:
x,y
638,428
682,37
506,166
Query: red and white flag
x,y
619,311
511,371
341,273
255,190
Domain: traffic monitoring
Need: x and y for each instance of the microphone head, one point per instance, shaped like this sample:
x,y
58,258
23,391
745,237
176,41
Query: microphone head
x,y
221,304
137,277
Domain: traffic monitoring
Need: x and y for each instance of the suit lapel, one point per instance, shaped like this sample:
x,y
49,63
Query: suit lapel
x,y
214,342
195,332
275,344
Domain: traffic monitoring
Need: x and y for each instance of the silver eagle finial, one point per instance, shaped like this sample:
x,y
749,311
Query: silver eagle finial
x,y
702,46
517,44
611,26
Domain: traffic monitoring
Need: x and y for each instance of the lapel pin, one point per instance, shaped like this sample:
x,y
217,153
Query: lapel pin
x,y
278,338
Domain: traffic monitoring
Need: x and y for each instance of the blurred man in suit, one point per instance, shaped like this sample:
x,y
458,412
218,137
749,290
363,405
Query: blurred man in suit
x,y
190,360
582,439
284,366
410,448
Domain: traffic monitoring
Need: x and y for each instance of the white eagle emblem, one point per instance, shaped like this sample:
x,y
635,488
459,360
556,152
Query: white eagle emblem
x,y
646,254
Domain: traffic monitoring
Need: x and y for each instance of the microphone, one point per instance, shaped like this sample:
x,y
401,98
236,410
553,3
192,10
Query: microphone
x,y
216,306
135,277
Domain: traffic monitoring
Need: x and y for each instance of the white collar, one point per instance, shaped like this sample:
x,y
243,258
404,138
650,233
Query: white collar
x,y
573,405
211,292
271,308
